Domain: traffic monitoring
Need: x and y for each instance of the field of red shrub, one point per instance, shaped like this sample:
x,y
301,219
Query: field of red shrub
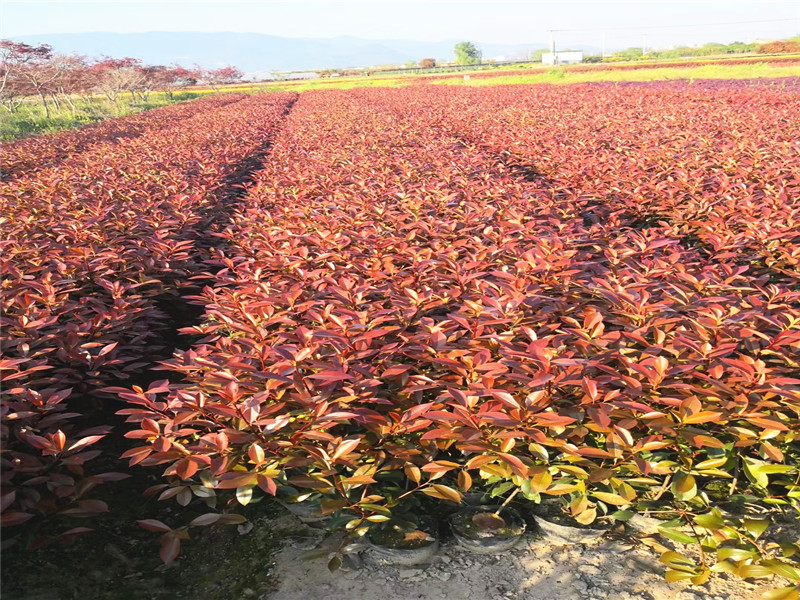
x,y
586,293
91,245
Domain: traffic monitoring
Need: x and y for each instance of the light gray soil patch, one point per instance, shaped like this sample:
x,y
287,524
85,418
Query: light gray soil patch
x,y
538,569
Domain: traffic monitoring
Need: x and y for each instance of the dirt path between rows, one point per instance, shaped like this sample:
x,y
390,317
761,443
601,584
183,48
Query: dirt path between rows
x,y
537,569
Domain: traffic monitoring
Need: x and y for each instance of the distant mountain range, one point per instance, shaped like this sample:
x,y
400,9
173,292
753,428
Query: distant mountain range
x,y
260,54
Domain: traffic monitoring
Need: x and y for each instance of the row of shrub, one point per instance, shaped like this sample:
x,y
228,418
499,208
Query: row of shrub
x,y
92,244
507,289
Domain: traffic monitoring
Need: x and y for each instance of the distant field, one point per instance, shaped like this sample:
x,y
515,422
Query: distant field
x,y
566,76
741,68
30,118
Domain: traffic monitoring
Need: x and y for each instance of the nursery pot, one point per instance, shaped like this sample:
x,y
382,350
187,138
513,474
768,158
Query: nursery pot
x,y
395,545
478,529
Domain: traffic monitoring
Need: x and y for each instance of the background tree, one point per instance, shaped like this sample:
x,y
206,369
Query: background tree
x,y
779,46
41,71
171,78
25,70
427,63
467,53
226,75
536,55
14,57
113,76
73,78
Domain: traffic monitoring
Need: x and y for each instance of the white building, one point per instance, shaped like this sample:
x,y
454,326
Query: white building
x,y
562,58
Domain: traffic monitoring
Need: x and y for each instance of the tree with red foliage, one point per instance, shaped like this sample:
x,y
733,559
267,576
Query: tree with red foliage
x,y
176,76
114,76
73,78
216,78
22,72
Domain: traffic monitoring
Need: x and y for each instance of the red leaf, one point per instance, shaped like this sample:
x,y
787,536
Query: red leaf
x,y
170,548
154,525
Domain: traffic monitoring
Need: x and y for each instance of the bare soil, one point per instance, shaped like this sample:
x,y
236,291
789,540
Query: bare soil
x,y
539,568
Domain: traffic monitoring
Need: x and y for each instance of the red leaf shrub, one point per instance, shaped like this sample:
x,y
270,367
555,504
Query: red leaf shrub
x,y
79,303
409,302
589,295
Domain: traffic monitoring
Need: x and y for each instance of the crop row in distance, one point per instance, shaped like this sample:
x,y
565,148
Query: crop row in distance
x,y
589,295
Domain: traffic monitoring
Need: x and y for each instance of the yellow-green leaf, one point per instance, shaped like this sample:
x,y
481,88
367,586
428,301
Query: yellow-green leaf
x,y
673,575
756,526
608,498
756,571
785,593
684,486
711,463
587,516
244,495
443,493
540,480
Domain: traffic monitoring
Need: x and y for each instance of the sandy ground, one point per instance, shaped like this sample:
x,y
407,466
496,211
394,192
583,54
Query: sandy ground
x,y
541,567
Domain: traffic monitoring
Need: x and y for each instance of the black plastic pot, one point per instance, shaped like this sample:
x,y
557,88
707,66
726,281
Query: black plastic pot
x,y
395,545
479,530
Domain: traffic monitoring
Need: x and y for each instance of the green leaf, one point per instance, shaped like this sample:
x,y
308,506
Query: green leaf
x,y
623,515
756,527
756,475
335,563
773,469
676,560
313,554
501,489
376,508
711,463
378,518
710,521
677,536
783,569
353,523
723,566
673,523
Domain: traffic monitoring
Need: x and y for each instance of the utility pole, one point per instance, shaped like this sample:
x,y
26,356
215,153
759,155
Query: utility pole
x,y
644,45
603,52
553,45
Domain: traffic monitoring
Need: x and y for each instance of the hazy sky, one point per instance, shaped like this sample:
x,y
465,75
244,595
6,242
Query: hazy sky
x,y
625,23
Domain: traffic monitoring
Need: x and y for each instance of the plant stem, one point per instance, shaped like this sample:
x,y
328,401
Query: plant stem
x,y
509,499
